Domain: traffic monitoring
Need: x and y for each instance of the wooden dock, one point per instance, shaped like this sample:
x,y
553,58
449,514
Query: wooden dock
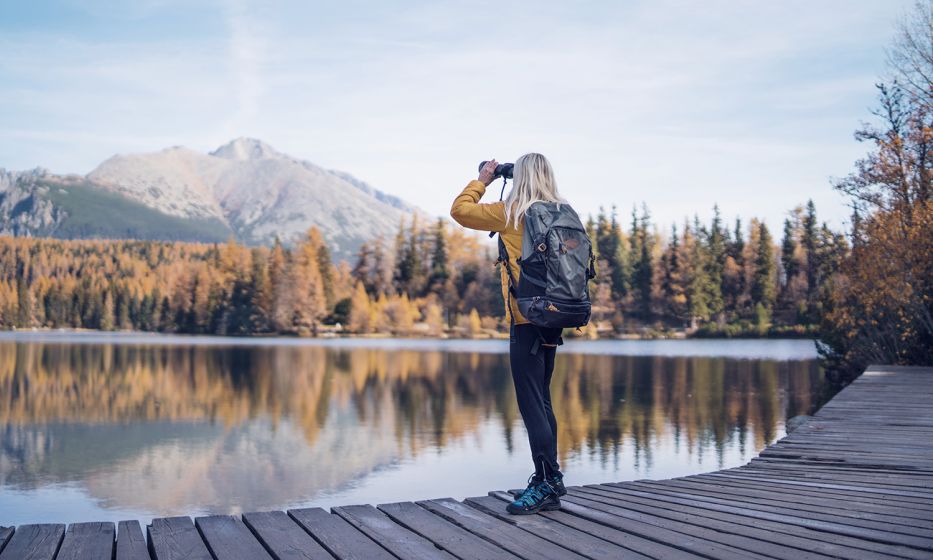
x,y
855,482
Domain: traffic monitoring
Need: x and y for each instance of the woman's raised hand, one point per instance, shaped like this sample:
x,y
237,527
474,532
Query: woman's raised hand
x,y
488,172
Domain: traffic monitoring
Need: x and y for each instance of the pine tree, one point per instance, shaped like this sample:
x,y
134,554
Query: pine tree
x,y
673,286
763,290
698,289
325,266
439,273
643,272
360,310
809,241
716,247
106,316
25,316
262,295
788,252
381,270
362,270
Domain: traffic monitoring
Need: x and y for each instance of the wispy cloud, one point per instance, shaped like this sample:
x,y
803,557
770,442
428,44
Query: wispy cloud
x,y
246,48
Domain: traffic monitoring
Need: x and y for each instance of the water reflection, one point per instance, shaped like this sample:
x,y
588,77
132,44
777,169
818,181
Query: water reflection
x,y
132,430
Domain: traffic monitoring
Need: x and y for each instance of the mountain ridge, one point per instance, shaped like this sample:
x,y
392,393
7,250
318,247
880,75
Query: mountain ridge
x,y
245,189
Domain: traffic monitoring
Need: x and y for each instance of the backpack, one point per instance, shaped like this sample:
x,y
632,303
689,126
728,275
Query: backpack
x,y
557,262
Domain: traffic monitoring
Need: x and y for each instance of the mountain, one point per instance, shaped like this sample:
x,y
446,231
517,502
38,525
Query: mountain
x,y
244,189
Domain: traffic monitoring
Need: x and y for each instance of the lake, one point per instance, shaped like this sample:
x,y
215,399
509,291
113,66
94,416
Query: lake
x,y
97,426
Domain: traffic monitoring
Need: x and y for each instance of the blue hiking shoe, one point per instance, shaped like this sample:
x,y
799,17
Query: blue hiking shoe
x,y
535,498
556,482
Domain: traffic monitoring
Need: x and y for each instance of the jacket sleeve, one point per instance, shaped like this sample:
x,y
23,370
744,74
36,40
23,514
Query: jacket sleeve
x,y
468,212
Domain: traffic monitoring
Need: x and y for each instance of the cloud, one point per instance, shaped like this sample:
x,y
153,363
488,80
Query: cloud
x,y
246,48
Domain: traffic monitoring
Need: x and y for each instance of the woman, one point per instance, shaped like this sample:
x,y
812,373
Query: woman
x,y
531,367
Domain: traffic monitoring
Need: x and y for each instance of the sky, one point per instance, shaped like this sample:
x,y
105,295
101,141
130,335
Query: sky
x,y
679,105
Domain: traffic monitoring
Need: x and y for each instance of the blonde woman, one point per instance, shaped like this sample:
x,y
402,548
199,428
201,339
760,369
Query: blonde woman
x,y
532,362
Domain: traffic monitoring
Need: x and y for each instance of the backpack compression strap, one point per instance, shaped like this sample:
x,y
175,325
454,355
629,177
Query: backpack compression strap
x,y
540,341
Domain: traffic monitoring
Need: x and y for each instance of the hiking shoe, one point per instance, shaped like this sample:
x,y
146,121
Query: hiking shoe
x,y
540,497
556,482
533,481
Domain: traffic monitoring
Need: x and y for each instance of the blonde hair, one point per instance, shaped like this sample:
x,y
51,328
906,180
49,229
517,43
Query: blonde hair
x,y
533,182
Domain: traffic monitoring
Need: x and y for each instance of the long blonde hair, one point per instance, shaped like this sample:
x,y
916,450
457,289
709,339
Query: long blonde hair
x,y
533,182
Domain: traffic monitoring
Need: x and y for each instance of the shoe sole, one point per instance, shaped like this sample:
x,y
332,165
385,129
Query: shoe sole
x,y
545,507
516,492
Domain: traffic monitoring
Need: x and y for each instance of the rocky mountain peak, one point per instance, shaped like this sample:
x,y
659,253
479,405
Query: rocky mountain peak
x,y
245,149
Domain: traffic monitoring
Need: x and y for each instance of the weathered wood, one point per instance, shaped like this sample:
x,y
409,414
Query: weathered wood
x,y
903,495
631,541
396,539
823,511
649,528
229,539
283,538
338,536
800,539
131,544
505,535
5,534
176,538
88,541
34,542
554,532
919,517
446,535
802,520
792,490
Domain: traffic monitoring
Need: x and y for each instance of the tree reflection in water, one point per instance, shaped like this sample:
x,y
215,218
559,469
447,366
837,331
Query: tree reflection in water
x,y
181,429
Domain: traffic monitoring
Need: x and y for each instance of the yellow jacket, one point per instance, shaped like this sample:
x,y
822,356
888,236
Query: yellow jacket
x,y
468,212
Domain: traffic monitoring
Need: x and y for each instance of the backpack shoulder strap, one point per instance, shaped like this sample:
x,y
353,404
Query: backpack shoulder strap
x,y
504,261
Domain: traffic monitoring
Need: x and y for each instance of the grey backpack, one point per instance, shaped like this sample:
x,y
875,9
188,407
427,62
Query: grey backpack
x,y
557,263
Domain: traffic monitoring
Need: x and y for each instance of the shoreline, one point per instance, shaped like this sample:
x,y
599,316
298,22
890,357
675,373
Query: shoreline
x,y
486,335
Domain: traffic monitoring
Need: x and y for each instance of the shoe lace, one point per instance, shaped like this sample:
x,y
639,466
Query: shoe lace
x,y
532,481
535,493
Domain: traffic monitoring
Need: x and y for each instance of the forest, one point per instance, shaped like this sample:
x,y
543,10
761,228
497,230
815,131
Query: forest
x,y
433,279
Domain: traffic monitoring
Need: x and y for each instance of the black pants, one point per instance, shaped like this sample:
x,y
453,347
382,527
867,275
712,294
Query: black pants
x,y
531,374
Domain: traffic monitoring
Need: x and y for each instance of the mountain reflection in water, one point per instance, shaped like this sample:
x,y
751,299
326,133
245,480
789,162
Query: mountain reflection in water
x,y
111,430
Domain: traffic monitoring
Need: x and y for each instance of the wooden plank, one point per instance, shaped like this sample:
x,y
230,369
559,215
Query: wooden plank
x,y
396,539
34,542
801,539
899,494
839,474
648,547
749,541
802,521
919,517
283,538
823,510
131,544
784,530
442,533
521,543
6,533
88,541
554,532
176,538
229,539
337,535
791,490
644,528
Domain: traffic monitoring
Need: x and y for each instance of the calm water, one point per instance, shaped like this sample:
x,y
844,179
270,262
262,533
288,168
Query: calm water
x,y
109,427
